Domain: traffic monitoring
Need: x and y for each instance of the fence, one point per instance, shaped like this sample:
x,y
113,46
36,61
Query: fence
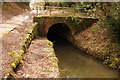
x,y
52,8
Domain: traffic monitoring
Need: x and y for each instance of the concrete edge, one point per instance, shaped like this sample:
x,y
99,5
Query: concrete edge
x,y
7,32
19,53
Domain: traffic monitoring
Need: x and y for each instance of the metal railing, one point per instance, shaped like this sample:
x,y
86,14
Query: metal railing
x,y
50,9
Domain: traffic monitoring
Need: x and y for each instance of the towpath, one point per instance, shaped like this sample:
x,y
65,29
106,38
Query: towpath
x,y
18,20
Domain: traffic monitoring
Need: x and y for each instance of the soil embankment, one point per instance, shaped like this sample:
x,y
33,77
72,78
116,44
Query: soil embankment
x,y
97,41
11,9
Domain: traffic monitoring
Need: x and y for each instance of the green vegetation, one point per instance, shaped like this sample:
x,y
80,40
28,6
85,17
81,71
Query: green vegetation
x,y
7,7
94,29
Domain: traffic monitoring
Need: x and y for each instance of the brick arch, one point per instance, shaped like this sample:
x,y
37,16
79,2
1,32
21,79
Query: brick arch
x,y
44,23
50,25
59,30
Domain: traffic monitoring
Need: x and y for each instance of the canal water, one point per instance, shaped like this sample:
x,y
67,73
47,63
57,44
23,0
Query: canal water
x,y
73,63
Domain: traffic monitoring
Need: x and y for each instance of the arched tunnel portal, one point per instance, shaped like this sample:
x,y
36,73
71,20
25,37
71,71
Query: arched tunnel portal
x,y
58,32
56,28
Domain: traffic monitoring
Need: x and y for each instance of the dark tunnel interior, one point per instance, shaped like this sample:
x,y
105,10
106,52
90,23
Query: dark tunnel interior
x,y
58,32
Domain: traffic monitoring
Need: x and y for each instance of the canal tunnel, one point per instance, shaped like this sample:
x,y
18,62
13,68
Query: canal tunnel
x,y
58,32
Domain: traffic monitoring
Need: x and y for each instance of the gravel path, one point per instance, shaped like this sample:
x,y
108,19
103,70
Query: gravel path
x,y
8,42
12,23
39,61
16,21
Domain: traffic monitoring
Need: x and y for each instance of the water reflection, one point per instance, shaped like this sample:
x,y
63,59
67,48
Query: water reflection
x,y
74,64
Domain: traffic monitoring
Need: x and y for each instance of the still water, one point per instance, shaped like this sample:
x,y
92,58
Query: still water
x,y
73,63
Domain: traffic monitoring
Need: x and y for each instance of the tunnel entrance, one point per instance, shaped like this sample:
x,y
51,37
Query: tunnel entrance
x,y
74,63
58,32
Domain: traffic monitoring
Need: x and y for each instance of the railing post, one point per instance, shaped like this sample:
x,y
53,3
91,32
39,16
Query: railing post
x,y
50,10
37,10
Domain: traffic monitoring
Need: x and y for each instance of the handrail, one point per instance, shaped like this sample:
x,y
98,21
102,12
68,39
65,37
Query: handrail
x,y
58,7
52,7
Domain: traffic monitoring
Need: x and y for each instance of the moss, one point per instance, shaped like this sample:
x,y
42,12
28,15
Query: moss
x,y
54,59
7,7
54,63
14,65
36,19
7,32
27,36
10,53
112,65
10,70
52,55
49,49
21,61
31,31
8,77
17,56
23,48
50,43
21,51
48,69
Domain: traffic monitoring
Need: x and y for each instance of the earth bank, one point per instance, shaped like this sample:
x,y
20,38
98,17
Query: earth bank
x,y
97,42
